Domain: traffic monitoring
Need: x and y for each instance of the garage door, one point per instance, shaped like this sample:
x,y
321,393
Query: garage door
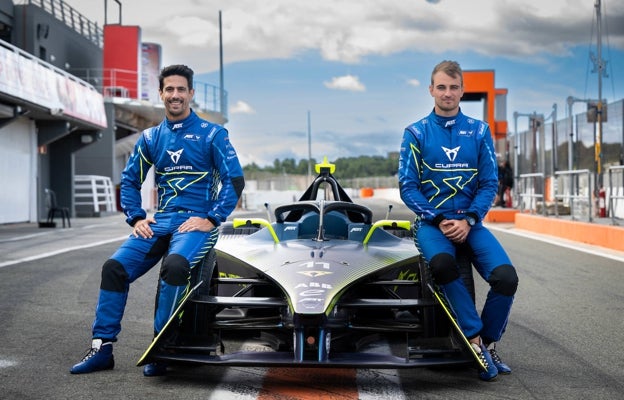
x,y
18,151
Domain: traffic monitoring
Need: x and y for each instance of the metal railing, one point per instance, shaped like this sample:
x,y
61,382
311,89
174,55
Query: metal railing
x,y
616,192
120,82
576,193
116,82
94,191
529,188
73,19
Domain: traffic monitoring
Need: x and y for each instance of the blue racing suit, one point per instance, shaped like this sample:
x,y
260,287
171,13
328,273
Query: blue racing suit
x,y
197,173
448,170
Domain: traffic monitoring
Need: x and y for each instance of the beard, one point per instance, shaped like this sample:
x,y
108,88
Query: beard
x,y
176,109
447,106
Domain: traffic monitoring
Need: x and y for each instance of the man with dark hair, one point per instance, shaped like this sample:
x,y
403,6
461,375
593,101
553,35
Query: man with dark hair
x,y
448,177
505,183
199,180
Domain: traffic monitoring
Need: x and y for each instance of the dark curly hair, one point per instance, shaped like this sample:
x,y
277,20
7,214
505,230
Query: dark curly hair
x,y
177,69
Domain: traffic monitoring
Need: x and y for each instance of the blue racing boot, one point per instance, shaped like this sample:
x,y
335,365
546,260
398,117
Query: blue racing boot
x,y
98,358
500,365
486,358
155,369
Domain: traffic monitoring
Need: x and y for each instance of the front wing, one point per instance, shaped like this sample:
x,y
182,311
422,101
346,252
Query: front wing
x,y
380,322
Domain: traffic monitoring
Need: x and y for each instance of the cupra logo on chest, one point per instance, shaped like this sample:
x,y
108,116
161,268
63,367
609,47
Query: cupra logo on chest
x,y
451,153
175,155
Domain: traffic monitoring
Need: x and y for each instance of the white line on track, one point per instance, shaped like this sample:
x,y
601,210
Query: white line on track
x,y
60,251
239,383
7,363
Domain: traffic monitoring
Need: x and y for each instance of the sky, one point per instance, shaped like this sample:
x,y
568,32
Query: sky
x,y
343,78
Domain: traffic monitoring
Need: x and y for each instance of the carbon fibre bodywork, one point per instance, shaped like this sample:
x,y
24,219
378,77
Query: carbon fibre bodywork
x,y
323,285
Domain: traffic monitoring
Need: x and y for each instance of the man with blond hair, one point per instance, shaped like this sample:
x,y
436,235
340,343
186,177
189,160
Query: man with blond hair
x,y
448,176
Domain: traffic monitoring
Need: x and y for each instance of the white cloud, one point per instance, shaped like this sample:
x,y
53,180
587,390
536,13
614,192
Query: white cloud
x,y
279,55
346,82
195,31
350,30
240,107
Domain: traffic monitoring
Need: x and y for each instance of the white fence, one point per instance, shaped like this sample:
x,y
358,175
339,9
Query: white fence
x,y
93,194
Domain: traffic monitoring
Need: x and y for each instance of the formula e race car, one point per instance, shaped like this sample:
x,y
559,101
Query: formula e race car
x,y
322,285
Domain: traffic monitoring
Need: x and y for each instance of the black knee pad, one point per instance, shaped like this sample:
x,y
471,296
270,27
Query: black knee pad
x,y
114,276
175,270
443,268
504,280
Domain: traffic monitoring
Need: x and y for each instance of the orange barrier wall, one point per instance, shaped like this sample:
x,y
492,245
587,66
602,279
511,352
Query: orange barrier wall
x,y
608,236
367,192
501,215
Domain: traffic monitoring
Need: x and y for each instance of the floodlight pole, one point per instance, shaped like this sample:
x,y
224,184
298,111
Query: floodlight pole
x,y
106,11
599,67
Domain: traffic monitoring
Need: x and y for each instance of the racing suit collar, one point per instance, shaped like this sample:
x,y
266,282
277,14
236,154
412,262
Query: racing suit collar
x,y
175,125
446,122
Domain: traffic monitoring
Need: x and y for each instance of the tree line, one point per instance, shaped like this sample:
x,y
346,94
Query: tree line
x,y
346,167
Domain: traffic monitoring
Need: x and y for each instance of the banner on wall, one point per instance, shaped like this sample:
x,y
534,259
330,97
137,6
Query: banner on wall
x,y
30,79
150,60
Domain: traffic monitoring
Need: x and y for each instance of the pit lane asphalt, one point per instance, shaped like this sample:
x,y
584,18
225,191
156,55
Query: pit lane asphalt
x,y
562,340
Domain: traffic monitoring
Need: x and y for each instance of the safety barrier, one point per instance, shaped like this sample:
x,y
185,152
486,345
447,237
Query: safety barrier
x,y
93,194
616,192
573,188
531,192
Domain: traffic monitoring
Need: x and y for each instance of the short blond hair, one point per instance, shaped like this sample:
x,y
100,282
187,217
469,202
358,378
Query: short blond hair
x,y
451,68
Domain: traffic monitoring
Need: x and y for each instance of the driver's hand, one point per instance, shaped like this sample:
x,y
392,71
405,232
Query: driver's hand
x,y
196,224
456,230
142,228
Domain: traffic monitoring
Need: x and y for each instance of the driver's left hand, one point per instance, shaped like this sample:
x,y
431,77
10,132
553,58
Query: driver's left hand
x,y
456,230
196,224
